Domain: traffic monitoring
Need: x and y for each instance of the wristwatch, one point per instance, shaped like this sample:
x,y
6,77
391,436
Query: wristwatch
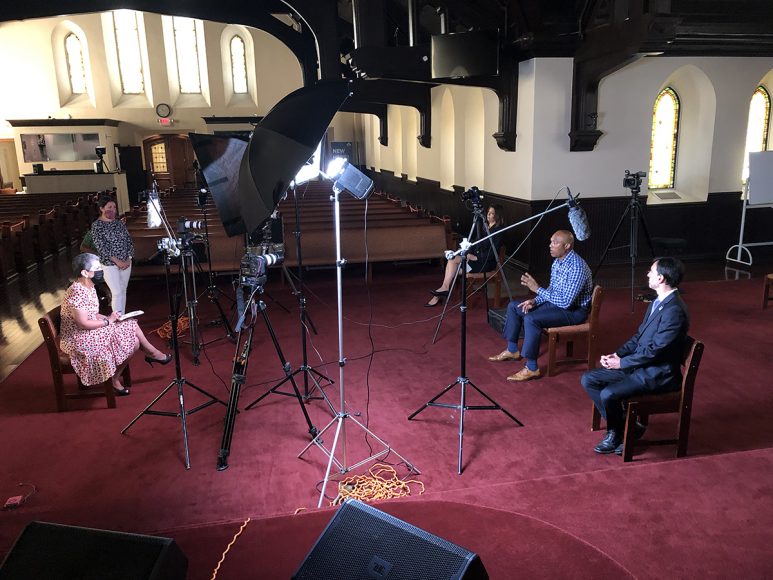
x,y
107,322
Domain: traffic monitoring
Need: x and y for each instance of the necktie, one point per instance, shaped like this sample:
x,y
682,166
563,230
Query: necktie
x,y
655,306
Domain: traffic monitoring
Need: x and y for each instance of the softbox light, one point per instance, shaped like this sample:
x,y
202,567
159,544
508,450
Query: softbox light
x,y
282,143
220,158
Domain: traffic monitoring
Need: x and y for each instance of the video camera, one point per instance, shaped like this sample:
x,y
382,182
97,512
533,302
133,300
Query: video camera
x,y
252,268
632,181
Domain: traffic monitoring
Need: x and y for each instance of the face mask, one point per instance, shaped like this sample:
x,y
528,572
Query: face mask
x,y
98,276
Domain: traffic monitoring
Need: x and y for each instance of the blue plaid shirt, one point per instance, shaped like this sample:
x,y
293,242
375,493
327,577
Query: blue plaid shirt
x,y
570,283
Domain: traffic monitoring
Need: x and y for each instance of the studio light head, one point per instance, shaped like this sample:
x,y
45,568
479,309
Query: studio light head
x,y
348,178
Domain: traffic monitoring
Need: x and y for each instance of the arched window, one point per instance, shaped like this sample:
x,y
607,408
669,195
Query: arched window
x,y
758,127
186,46
238,65
76,70
127,41
665,130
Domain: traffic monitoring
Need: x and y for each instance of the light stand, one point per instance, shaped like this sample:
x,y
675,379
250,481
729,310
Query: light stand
x,y
239,376
179,380
477,220
341,417
633,211
212,291
191,302
307,371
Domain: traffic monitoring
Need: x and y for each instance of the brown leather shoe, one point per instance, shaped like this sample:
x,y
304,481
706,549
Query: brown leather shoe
x,y
505,355
525,375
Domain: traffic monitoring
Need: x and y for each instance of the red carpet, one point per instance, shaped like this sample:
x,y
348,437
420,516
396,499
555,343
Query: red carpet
x,y
89,474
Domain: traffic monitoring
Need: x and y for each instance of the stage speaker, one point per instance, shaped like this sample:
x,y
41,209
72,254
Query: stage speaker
x,y
59,552
361,542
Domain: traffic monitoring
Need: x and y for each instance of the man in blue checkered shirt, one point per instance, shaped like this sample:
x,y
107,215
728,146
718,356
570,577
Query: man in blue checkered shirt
x,y
566,301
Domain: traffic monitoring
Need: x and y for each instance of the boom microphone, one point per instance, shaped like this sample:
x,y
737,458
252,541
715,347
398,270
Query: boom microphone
x,y
578,218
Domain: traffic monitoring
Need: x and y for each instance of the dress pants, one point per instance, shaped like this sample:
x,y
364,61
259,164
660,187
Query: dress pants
x,y
546,315
118,281
607,388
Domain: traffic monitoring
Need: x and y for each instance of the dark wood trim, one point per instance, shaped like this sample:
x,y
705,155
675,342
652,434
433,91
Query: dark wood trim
x,y
63,122
247,120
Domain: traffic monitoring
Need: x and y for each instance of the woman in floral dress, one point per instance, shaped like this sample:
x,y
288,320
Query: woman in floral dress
x,y
99,346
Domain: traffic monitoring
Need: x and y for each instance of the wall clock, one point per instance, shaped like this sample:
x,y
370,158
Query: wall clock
x,y
163,110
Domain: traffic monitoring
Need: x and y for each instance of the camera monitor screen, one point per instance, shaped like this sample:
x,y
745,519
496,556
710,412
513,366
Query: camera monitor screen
x,y
465,54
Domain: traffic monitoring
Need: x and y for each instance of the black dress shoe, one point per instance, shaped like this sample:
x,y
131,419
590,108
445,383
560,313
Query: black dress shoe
x,y
440,293
619,450
609,443
162,361
638,430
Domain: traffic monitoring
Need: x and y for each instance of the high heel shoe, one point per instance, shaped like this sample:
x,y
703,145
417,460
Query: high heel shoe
x,y
439,293
430,305
122,392
150,360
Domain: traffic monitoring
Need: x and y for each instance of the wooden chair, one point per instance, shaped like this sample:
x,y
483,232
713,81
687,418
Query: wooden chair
x,y
568,334
768,282
60,366
642,406
477,280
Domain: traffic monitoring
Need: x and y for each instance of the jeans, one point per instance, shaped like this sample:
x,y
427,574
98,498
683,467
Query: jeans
x,y
545,315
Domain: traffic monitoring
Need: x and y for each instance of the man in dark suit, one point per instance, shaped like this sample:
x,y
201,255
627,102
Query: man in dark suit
x,y
649,362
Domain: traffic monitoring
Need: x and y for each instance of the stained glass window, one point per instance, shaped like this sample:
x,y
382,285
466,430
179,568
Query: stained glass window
x,y
158,157
75,68
238,65
665,131
127,40
186,46
758,127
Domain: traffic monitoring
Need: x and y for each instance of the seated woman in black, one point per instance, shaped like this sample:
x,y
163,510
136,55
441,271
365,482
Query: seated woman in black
x,y
480,259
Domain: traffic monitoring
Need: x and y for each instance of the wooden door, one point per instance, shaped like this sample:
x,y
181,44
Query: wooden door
x,y
169,159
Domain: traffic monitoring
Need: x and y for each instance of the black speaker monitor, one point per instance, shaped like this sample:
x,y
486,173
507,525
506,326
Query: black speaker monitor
x,y
59,552
362,542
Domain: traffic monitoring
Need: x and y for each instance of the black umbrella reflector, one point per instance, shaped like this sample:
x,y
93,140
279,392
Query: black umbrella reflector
x,y
220,158
282,143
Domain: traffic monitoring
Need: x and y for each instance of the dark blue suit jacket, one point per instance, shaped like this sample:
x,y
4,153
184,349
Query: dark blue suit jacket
x,y
654,354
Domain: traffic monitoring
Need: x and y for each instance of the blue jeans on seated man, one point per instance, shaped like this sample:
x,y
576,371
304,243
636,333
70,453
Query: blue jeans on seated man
x,y
545,315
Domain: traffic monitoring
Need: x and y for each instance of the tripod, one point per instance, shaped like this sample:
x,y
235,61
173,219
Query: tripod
x,y
191,301
636,218
212,290
307,371
239,376
339,420
179,380
478,219
462,380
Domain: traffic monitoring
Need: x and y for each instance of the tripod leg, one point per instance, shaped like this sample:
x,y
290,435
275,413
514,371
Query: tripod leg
x,y
432,400
462,406
286,366
611,240
238,377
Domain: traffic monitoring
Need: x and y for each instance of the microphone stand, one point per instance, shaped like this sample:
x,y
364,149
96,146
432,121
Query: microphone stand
x,y
462,380
477,220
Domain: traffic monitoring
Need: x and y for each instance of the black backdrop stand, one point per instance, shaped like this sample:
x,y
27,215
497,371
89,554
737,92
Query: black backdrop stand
x,y
633,212
179,381
462,380
307,371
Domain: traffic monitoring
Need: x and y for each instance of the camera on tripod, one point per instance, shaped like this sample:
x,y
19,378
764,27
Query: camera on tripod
x,y
473,194
252,268
632,181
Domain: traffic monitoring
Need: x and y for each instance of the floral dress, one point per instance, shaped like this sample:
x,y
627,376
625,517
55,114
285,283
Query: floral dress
x,y
94,354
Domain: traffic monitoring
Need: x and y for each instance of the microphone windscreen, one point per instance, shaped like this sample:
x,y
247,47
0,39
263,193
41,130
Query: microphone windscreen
x,y
579,222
